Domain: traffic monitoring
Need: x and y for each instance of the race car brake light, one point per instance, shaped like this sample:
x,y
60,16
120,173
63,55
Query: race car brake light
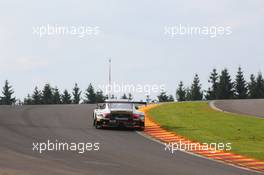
x,y
136,116
106,115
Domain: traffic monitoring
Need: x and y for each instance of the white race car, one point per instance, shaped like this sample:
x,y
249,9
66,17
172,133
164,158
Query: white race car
x,y
116,113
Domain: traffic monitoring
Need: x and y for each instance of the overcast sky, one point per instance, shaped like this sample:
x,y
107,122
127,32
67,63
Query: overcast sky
x,y
132,34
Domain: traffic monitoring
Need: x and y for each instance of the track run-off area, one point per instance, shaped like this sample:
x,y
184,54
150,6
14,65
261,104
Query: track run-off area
x,y
174,129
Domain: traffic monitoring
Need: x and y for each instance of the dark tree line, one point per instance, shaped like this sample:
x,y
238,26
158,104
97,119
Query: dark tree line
x,y
194,92
190,93
52,95
222,87
127,97
163,97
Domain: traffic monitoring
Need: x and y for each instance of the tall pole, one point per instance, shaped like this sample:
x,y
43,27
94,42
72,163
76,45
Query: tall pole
x,y
109,83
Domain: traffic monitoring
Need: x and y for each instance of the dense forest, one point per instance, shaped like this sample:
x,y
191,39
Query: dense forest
x,y
221,87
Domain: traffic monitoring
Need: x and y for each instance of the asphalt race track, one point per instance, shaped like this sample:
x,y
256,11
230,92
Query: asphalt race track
x,y
121,151
248,107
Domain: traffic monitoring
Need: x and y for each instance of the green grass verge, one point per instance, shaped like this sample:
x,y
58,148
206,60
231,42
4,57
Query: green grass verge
x,y
198,122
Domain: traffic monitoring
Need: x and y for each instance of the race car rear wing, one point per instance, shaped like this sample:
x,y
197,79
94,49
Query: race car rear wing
x,y
134,102
137,103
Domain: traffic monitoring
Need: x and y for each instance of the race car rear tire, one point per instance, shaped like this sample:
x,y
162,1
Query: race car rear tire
x,y
93,122
141,129
96,125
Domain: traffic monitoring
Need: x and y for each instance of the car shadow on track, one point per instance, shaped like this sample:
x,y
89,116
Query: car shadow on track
x,y
122,129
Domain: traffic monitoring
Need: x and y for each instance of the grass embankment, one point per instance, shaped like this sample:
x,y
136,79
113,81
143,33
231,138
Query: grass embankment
x,y
198,122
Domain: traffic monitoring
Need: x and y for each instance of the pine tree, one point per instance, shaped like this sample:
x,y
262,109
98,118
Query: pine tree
x,y
240,85
47,94
181,93
260,86
28,100
188,94
66,97
56,96
100,98
252,87
196,92
124,96
36,97
112,96
106,97
171,98
163,97
225,88
90,94
212,91
7,92
130,96
76,94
